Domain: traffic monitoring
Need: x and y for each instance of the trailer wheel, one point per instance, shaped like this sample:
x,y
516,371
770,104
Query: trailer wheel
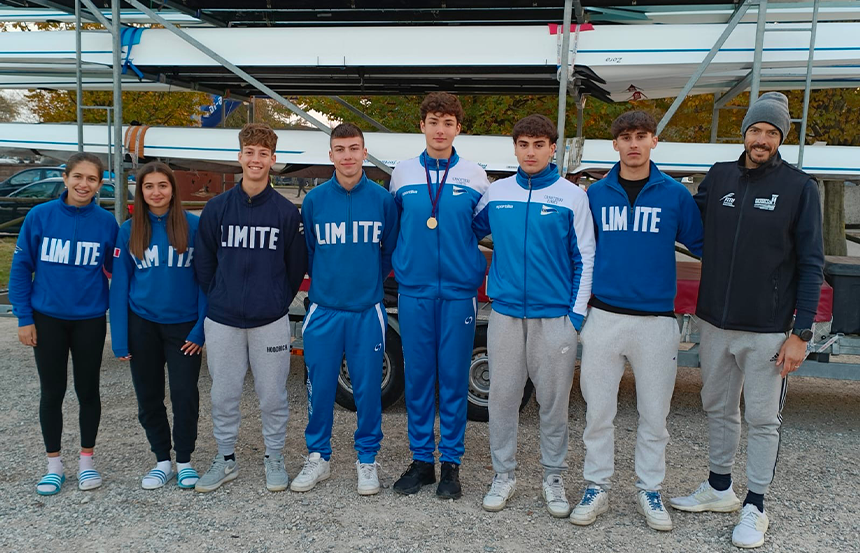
x,y
392,375
479,380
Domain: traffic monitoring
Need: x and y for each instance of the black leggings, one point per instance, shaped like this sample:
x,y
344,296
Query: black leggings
x,y
55,338
151,346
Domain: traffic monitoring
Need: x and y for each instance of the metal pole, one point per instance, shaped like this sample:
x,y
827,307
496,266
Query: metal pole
x,y
120,183
806,91
759,44
730,27
715,123
562,85
245,76
109,143
354,110
79,85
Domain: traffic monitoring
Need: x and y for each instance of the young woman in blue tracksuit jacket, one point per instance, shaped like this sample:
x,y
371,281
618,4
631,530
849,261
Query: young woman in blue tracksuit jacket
x,y
59,292
350,222
438,267
157,312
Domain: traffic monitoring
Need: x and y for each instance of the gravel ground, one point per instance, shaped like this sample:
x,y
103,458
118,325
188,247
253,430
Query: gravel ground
x,y
813,503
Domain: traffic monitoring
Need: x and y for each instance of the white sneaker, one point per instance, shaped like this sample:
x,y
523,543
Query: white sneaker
x,y
501,490
650,504
706,498
316,470
368,481
595,502
556,499
749,532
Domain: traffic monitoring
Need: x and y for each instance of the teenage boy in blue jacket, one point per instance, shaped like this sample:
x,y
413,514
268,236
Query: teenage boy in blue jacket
x,y
639,214
438,267
540,282
350,224
250,259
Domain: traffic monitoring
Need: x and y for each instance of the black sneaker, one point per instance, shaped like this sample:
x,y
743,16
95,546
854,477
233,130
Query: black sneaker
x,y
449,482
419,473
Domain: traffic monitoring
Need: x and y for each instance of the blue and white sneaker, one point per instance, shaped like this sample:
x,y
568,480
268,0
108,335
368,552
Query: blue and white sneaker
x,y
594,502
650,504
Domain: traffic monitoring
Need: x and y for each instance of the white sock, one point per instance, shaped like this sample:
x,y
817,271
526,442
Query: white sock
x,y
55,465
86,462
180,466
164,466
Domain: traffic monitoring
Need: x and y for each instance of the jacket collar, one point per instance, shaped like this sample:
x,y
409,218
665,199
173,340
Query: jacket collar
x,y
74,210
547,176
761,171
431,163
160,219
654,177
339,187
260,198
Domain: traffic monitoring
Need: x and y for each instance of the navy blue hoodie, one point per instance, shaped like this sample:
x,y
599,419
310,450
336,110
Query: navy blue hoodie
x,y
68,248
249,257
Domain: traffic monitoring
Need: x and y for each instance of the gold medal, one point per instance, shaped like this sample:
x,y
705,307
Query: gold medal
x,y
432,223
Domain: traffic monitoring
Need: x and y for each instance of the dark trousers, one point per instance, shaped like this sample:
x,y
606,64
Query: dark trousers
x,y
55,338
151,346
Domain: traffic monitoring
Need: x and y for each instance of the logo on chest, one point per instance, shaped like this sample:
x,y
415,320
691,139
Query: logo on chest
x,y
457,190
728,200
766,204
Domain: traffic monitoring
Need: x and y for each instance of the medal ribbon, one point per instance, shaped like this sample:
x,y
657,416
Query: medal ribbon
x,y
435,202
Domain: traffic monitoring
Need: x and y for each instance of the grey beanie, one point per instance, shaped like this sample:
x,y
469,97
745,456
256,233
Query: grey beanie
x,y
771,107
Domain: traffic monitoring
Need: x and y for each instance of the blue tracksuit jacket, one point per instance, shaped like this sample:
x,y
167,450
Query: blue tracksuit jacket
x,y
543,246
354,231
160,288
634,267
68,248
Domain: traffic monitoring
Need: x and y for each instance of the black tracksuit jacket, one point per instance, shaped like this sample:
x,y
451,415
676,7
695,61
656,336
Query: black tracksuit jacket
x,y
763,254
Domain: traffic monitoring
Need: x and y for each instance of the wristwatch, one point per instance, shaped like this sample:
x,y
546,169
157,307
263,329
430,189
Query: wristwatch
x,y
804,334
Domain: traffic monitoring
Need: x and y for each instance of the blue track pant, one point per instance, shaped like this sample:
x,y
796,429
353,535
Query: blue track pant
x,y
437,347
328,335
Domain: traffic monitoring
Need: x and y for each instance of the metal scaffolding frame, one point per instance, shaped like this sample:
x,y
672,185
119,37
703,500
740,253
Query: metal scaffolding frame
x,y
568,150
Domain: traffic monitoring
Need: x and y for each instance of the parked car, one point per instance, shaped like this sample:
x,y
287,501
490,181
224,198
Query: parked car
x,y
44,190
28,176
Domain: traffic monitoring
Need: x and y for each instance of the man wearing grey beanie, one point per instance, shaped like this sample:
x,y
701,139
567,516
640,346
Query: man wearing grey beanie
x,y
762,261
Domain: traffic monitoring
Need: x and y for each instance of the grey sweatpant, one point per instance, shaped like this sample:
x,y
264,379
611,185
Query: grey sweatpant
x,y
545,351
650,344
230,351
732,361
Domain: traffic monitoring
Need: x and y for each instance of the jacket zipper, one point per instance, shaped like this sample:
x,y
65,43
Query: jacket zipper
x,y
245,267
438,241
732,262
525,248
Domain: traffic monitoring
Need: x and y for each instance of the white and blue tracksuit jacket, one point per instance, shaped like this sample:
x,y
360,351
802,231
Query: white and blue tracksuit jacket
x,y
350,236
543,254
635,263
443,262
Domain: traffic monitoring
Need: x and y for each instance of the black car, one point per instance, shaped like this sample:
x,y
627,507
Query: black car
x,y
41,191
28,176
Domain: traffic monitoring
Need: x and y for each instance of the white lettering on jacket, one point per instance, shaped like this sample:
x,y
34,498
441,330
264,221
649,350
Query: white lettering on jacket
x,y
243,236
151,258
364,232
57,250
645,219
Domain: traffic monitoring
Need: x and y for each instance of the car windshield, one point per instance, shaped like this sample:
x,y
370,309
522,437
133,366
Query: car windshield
x,y
26,177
